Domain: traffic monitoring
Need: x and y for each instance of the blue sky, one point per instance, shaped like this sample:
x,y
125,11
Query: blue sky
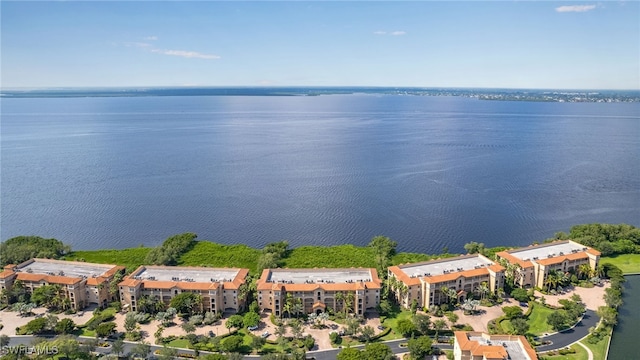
x,y
520,44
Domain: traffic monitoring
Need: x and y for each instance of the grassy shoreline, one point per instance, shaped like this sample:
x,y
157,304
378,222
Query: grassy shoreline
x,y
628,263
207,253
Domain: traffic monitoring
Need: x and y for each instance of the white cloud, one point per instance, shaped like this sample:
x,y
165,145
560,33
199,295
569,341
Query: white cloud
x,y
151,38
186,54
393,33
575,8
137,44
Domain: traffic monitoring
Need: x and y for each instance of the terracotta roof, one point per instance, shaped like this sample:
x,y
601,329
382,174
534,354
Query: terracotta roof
x,y
6,273
184,285
319,304
561,258
402,276
375,283
491,351
514,260
455,275
593,252
51,279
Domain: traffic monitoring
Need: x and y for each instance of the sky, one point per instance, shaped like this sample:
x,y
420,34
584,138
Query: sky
x,y
489,44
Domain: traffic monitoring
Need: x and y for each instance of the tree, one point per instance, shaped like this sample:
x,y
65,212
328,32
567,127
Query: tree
x,y
421,323
171,249
366,333
419,347
186,303
353,326
296,328
405,327
557,320
234,321
105,329
141,349
232,343
453,317
188,327
118,347
4,340
383,249
257,342
520,294
130,322
512,312
608,315
378,351
520,326
22,248
385,307
35,326
167,353
474,248
350,354
67,345
209,318
65,326
439,325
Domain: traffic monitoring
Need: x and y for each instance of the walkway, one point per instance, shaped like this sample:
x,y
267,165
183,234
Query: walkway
x,y
588,350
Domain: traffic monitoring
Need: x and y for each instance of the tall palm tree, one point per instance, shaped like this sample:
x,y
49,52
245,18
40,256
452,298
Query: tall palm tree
x,y
339,299
484,290
349,300
584,270
444,290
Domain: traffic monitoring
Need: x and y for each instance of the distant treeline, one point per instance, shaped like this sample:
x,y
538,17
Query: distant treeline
x,y
183,249
609,239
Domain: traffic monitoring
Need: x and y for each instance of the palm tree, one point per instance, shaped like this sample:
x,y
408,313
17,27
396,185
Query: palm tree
x,y
297,307
339,299
584,270
444,290
484,290
288,304
348,302
551,280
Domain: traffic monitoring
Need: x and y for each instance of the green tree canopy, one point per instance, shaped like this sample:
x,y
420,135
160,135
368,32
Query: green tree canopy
x,y
22,248
232,343
420,347
171,249
350,354
405,327
186,302
378,351
383,249
251,319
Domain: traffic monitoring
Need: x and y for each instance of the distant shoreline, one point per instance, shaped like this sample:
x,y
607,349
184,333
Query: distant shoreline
x,y
534,95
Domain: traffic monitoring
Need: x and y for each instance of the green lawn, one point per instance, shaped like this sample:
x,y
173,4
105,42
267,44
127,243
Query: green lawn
x,y
340,256
206,253
538,320
131,258
392,322
179,343
598,349
581,354
628,263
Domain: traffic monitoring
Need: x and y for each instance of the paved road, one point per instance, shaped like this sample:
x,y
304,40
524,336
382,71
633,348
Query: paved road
x,y
568,337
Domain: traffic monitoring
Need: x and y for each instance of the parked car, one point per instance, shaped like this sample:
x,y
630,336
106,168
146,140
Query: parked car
x,y
380,327
251,328
211,334
265,334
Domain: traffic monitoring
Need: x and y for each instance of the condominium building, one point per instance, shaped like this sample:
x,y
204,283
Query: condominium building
x,y
317,290
219,287
533,264
80,282
481,346
425,281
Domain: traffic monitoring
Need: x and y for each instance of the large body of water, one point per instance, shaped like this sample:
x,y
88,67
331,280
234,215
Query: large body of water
x,y
624,343
428,172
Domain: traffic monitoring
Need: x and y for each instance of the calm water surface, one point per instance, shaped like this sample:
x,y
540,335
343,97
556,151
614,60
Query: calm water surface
x,y
624,344
428,172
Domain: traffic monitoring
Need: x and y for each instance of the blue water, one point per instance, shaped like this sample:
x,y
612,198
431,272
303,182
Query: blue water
x,y
428,172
